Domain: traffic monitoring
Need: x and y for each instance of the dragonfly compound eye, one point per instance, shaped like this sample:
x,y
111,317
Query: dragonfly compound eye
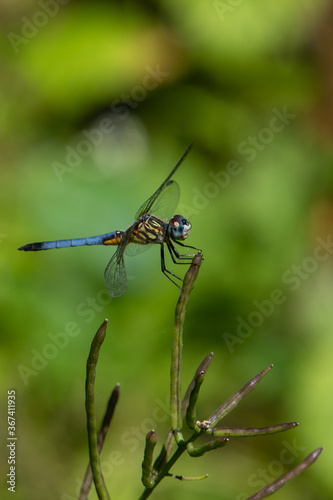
x,y
179,227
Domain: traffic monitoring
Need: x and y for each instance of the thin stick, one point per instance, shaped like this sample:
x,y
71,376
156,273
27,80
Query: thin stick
x,y
276,485
88,477
176,353
90,410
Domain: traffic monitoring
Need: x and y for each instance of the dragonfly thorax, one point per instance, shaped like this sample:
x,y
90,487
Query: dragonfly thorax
x,y
179,228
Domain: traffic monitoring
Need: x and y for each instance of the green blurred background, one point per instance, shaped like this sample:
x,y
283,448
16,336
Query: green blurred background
x,y
166,74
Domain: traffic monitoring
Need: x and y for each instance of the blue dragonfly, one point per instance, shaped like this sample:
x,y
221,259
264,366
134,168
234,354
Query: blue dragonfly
x,y
154,224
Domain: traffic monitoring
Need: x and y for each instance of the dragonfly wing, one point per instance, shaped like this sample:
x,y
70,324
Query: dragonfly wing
x,y
133,249
163,202
115,275
147,206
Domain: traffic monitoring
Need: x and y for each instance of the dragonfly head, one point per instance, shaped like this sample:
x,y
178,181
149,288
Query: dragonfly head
x,y
179,227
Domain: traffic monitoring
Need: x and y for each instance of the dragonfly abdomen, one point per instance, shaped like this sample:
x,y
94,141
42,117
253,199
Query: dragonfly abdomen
x,y
103,239
113,238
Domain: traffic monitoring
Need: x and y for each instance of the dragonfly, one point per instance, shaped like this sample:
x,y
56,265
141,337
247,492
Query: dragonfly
x,y
153,225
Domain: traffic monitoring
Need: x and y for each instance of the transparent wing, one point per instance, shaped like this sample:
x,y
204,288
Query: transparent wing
x,y
153,205
162,203
115,275
133,249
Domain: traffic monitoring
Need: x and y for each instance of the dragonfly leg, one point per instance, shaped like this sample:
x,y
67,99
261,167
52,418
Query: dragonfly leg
x,y
176,255
166,272
179,256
